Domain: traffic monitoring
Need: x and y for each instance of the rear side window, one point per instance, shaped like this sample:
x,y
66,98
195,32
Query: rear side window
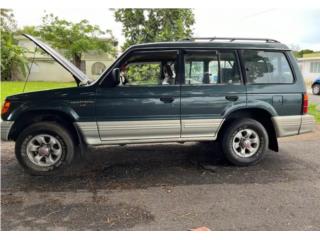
x,y
211,67
266,67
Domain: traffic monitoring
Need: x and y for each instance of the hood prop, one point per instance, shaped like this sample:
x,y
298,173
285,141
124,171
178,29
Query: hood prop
x,y
29,69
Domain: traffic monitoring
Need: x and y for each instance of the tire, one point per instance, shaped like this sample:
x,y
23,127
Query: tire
x,y
238,137
43,148
316,89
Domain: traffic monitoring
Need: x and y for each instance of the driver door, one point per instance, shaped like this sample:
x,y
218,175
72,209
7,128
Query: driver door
x,y
144,109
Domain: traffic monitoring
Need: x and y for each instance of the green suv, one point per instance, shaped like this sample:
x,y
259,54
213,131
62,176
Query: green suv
x,y
244,93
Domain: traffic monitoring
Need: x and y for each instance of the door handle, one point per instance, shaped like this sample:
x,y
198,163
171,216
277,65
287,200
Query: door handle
x,y
167,99
232,98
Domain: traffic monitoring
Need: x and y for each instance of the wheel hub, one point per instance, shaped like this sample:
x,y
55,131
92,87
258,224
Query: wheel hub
x,y
245,143
44,151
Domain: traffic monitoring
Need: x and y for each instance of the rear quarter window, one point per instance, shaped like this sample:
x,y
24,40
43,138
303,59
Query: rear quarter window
x,y
266,67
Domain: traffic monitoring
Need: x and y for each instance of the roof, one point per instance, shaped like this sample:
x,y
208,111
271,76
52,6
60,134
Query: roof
x,y
311,55
213,44
308,59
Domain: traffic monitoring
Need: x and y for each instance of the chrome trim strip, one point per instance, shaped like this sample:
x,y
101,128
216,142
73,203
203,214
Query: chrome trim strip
x,y
5,129
308,123
293,125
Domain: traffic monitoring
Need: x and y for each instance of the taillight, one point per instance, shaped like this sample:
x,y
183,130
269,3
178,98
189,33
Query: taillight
x,y
5,107
305,103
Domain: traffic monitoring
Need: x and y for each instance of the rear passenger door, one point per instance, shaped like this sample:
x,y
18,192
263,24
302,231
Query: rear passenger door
x,y
212,84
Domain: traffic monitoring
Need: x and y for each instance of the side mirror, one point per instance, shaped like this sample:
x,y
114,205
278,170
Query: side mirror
x,y
115,76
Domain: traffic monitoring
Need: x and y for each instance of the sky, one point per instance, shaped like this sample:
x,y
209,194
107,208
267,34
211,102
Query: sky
x,y
298,28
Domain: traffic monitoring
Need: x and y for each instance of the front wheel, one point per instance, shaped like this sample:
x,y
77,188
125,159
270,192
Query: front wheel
x,y
316,89
244,142
43,148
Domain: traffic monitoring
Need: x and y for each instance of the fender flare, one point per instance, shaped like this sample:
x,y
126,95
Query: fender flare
x,y
27,108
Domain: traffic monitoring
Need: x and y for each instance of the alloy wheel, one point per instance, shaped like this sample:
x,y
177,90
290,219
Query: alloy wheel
x,y
44,150
246,142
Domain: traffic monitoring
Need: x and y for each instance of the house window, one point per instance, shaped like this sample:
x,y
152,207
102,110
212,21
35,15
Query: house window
x,y
315,67
98,68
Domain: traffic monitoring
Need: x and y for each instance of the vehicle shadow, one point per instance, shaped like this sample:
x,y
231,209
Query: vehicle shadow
x,y
143,166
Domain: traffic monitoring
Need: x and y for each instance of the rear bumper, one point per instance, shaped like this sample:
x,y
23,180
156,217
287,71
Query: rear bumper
x,y
5,129
293,125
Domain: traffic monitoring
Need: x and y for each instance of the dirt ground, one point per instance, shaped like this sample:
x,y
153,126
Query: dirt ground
x,y
168,187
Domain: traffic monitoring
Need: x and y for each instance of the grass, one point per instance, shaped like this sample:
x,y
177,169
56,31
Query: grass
x,y
313,111
11,88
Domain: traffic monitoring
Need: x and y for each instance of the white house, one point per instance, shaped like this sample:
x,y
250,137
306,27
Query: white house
x,y
310,67
44,68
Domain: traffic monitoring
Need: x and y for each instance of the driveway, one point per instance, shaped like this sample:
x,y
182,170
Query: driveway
x,y
168,187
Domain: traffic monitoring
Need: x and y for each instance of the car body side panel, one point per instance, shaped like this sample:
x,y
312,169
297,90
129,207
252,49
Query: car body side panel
x,y
137,112
204,107
77,102
284,104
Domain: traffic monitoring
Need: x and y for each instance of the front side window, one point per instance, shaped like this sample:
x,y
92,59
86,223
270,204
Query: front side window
x,y
205,67
266,67
149,69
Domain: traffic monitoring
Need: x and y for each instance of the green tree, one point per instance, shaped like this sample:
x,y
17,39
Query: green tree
x,y
74,38
150,25
299,54
12,55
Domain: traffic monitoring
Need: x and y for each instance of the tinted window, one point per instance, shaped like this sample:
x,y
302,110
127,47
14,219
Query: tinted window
x,y
149,68
266,67
142,74
211,68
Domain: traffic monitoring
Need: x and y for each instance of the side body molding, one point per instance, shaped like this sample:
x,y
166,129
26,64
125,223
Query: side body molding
x,y
89,131
201,128
151,131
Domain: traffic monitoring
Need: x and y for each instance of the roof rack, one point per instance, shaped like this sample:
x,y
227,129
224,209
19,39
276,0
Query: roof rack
x,y
230,39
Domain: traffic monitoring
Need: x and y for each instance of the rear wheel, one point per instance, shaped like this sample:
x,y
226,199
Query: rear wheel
x,y
316,89
244,142
43,148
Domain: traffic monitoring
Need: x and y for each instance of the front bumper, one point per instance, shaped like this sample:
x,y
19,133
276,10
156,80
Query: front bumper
x,y
5,129
293,125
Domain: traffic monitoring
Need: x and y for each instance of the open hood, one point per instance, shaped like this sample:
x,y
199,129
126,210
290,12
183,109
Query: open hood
x,y
78,75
